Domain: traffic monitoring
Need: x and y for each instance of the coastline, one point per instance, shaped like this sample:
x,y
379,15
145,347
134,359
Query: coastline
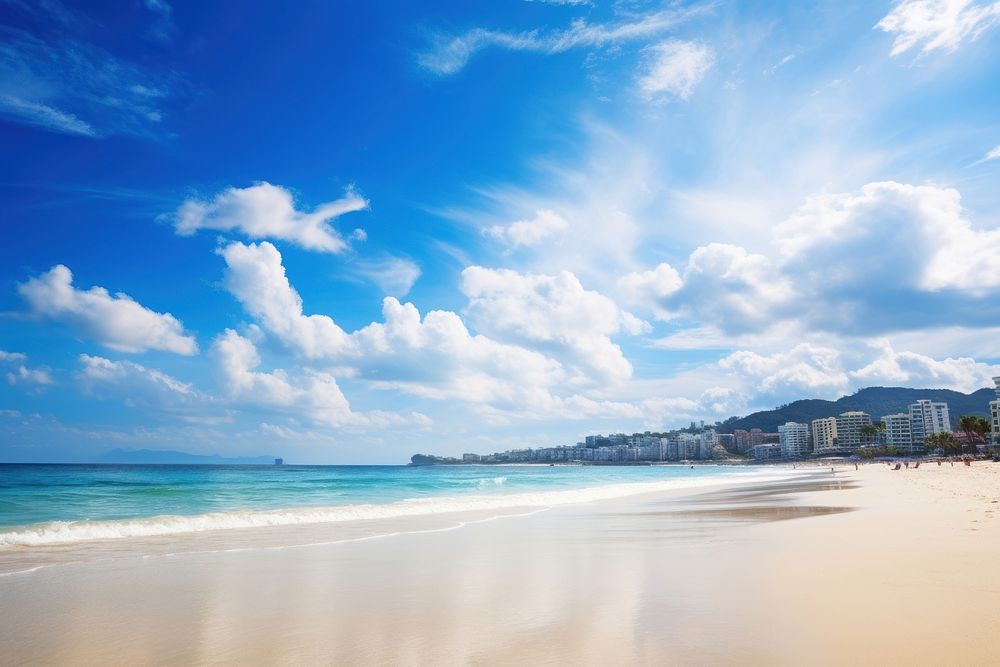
x,y
865,567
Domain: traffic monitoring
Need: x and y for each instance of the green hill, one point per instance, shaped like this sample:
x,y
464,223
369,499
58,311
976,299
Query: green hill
x,y
876,401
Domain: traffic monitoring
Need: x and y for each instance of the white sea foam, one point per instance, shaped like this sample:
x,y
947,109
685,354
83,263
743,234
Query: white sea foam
x,y
492,481
63,532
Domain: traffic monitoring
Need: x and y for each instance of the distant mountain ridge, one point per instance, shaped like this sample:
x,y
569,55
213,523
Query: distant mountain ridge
x,y
172,457
876,401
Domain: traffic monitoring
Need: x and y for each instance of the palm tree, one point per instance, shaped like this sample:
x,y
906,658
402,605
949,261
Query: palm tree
x,y
974,427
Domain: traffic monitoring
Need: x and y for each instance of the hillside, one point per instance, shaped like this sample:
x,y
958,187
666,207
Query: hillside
x,y
876,401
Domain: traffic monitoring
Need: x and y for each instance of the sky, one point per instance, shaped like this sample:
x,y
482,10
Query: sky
x,y
349,232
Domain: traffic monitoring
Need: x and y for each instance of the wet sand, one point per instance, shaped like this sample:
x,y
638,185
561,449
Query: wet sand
x,y
864,567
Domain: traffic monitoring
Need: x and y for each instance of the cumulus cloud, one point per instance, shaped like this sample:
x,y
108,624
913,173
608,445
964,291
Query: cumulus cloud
x,y
544,225
256,277
804,370
917,370
117,322
810,370
25,375
310,394
938,24
435,355
552,313
651,288
136,384
890,235
265,211
887,257
22,374
450,53
673,68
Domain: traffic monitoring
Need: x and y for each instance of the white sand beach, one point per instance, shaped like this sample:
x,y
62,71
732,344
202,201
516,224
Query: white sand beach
x,y
868,567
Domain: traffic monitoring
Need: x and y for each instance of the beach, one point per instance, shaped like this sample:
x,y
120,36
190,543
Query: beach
x,y
819,567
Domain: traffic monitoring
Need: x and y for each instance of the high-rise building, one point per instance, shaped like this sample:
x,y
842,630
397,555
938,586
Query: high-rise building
x,y
824,433
742,438
898,431
849,429
794,439
995,413
756,437
926,418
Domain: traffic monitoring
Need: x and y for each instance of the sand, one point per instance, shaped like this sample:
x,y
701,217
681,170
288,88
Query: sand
x,y
867,567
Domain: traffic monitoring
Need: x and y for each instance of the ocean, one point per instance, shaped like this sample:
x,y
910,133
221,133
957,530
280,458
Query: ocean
x,y
61,504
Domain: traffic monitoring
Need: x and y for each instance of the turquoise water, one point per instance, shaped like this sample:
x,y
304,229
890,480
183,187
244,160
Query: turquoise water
x,y
53,503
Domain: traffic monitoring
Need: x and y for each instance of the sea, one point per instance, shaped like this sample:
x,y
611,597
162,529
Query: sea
x,y
64,504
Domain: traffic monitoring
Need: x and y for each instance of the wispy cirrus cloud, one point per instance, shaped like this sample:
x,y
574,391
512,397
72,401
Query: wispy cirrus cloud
x,y
938,24
674,68
61,84
450,53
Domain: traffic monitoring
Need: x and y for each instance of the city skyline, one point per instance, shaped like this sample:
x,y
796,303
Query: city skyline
x,y
351,234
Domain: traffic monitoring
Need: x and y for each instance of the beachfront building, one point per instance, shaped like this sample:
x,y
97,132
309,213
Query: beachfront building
x,y
471,458
768,451
756,437
926,418
793,439
995,414
898,432
849,429
741,438
824,432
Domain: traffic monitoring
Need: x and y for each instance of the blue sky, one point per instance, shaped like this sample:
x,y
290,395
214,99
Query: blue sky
x,y
350,232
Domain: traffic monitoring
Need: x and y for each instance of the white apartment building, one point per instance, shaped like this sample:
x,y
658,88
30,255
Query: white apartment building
x,y
794,439
824,433
849,429
898,431
995,412
926,418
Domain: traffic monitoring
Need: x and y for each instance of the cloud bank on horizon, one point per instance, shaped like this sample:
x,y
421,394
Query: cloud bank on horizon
x,y
538,221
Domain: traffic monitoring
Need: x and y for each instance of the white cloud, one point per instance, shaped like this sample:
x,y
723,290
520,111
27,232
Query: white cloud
x,y
15,357
674,68
22,374
72,87
991,155
312,394
917,370
899,236
268,211
436,356
554,314
449,54
42,115
136,384
650,288
805,370
887,257
256,277
544,225
395,276
25,375
938,24
731,288
117,322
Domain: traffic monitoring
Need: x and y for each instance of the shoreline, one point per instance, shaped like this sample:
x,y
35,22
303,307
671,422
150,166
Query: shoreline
x,y
816,569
